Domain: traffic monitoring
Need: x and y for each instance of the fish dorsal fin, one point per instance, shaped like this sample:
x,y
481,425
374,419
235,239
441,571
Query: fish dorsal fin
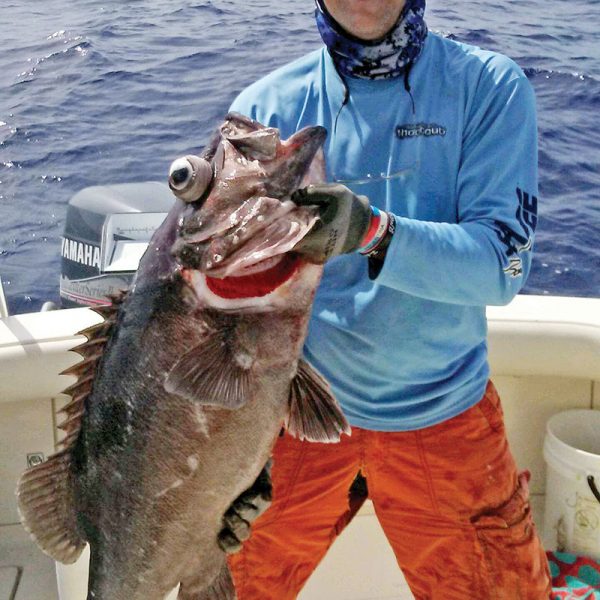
x,y
213,374
44,492
46,508
90,351
314,413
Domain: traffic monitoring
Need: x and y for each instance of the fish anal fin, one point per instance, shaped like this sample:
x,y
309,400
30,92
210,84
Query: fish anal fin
x,y
212,374
46,508
314,413
221,588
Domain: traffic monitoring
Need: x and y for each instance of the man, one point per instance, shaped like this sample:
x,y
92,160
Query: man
x,y
427,217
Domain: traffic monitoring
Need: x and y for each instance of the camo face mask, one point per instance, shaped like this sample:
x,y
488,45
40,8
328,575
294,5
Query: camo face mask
x,y
378,59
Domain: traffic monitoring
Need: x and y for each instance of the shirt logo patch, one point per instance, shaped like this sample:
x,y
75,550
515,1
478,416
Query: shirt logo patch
x,y
411,130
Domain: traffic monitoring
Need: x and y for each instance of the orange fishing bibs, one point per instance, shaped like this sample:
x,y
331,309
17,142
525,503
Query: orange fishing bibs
x,y
448,497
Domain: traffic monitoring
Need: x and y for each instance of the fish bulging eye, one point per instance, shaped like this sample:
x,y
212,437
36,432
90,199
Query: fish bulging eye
x,y
189,177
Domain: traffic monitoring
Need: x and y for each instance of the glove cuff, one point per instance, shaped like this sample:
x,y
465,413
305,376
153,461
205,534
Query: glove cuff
x,y
378,229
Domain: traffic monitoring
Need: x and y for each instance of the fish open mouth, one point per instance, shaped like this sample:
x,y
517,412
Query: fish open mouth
x,y
264,262
255,256
261,279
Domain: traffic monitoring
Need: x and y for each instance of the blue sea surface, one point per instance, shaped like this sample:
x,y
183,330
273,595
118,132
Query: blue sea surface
x,y
95,92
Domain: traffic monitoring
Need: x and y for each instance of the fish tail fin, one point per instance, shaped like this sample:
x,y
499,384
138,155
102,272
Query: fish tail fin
x,y
314,413
44,500
221,588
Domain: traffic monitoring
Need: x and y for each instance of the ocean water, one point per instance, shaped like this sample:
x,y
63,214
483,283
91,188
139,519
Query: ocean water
x,y
97,92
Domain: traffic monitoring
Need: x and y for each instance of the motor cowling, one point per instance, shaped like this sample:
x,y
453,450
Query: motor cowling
x,y
107,230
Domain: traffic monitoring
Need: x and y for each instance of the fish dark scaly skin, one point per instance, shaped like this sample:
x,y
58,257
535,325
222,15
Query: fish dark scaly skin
x,y
185,387
174,457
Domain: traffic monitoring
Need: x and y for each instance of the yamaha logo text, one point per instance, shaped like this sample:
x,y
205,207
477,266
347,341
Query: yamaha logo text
x,y
79,252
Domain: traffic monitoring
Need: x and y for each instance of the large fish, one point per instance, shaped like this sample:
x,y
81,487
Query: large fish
x,y
185,386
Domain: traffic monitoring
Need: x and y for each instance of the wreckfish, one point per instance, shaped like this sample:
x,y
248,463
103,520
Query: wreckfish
x,y
185,386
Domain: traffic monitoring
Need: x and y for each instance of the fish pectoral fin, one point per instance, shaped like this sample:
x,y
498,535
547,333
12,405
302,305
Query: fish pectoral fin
x,y
220,589
46,508
314,413
210,374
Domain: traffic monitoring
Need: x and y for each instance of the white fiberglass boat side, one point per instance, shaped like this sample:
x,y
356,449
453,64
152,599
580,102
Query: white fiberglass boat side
x,y
544,355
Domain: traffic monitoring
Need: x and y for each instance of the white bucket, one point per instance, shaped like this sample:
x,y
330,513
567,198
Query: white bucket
x,y
572,453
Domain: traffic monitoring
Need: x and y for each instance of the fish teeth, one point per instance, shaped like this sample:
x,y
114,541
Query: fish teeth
x,y
261,265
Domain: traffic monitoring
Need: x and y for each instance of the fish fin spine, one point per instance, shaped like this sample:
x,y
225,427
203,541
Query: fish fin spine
x,y
314,413
91,351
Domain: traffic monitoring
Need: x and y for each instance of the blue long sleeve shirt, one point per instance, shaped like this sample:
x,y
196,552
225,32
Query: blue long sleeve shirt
x,y
455,160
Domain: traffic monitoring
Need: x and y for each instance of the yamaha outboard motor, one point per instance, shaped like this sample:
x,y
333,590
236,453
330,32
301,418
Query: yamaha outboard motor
x,y
106,232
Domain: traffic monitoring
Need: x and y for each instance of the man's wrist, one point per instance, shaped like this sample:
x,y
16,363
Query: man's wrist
x,y
376,232
379,234
377,256
379,251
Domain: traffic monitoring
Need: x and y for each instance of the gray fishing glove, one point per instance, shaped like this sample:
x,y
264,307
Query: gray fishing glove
x,y
245,509
344,220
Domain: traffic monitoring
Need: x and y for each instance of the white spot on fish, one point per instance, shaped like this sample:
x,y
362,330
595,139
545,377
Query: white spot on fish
x,y
173,486
200,420
236,239
217,258
244,360
260,218
209,264
193,462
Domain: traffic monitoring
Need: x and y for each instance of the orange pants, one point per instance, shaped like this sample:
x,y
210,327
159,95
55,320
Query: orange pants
x,y
448,497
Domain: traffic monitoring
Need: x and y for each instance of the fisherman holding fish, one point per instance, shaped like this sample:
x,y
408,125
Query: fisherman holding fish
x,y
427,217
